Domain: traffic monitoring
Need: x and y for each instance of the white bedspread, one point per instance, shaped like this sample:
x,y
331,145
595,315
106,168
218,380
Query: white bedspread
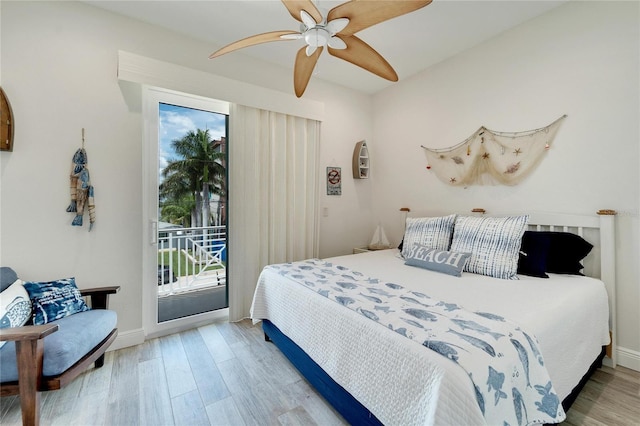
x,y
403,383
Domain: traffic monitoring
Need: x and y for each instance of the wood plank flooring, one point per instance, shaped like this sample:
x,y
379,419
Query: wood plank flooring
x,y
226,374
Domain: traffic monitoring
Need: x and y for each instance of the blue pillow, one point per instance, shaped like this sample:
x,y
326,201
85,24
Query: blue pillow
x,y
534,253
566,251
447,262
7,277
54,300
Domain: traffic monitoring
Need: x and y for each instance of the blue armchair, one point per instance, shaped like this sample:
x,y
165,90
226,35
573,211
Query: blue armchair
x,y
38,358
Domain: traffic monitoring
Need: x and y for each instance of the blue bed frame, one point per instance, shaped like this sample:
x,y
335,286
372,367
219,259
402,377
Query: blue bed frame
x,y
342,401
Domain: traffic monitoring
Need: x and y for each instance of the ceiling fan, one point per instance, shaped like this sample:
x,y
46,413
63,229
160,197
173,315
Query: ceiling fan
x,y
336,32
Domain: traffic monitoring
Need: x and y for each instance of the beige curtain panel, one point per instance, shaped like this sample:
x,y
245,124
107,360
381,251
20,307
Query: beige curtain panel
x,y
273,175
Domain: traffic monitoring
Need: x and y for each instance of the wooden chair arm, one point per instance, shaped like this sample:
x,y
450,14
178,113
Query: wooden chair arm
x,y
27,332
97,290
100,295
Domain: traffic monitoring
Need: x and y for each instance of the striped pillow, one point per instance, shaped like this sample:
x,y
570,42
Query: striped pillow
x,y
494,244
433,232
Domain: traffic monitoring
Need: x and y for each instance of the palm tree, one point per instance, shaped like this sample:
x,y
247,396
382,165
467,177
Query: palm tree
x,y
178,211
200,172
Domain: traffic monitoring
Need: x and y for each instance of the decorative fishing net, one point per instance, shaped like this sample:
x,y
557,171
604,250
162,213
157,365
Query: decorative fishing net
x,y
488,157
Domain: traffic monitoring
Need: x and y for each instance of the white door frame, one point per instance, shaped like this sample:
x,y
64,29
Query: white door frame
x,y
151,98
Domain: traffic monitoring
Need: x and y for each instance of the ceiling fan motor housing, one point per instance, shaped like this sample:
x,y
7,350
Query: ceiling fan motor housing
x,y
317,37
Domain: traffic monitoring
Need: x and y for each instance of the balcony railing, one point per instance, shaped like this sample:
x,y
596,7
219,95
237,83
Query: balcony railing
x,y
191,259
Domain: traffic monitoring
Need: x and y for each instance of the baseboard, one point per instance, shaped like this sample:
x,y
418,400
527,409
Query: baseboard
x,y
628,358
128,338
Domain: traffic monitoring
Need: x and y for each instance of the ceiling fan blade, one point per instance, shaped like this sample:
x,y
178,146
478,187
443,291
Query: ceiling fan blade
x,y
303,69
253,40
361,54
363,14
296,6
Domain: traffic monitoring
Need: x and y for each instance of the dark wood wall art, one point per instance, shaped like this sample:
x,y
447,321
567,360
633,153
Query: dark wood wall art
x,y
6,123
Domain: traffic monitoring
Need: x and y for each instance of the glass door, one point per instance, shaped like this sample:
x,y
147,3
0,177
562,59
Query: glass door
x,y
186,246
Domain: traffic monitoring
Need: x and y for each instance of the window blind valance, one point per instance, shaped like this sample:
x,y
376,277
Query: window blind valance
x,y
152,72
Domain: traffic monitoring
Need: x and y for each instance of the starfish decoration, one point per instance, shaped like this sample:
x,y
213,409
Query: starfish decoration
x,y
452,180
486,155
513,168
517,152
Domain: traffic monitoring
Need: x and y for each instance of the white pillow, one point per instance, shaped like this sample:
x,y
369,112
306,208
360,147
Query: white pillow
x,y
494,244
433,232
15,306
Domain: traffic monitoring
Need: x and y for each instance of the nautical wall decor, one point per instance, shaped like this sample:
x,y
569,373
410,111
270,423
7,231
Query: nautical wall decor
x,y
81,188
488,157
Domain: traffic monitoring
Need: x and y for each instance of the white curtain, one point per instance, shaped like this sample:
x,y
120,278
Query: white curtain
x,y
273,181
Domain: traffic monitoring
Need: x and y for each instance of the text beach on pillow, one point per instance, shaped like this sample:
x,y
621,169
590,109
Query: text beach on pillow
x,y
489,157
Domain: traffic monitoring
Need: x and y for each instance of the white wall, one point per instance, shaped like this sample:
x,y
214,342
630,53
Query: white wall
x,y
59,62
580,59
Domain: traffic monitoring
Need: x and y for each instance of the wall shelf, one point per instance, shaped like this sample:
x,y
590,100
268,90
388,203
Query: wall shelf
x,y
361,161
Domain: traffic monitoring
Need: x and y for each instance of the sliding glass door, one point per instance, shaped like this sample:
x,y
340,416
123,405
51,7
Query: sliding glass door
x,y
185,206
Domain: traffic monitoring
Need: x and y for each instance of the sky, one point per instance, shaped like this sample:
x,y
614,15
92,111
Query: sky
x,y
175,121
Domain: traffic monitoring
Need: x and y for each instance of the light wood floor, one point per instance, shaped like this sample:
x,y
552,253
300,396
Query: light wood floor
x,y
226,374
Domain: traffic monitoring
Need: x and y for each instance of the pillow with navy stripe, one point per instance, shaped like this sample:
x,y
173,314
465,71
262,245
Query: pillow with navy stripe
x,y
433,232
494,244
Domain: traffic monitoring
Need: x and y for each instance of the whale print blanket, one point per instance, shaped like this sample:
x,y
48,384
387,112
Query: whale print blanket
x,y
504,363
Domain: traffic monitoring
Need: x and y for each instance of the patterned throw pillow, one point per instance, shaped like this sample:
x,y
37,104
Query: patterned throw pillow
x,y
54,300
15,306
447,262
494,244
434,232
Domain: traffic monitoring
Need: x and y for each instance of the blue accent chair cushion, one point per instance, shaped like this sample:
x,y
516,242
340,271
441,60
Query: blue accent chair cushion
x,y
76,336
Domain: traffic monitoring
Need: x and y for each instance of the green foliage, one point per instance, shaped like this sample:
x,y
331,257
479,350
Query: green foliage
x,y
190,179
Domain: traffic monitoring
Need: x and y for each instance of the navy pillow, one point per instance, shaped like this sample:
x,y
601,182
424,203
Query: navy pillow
x,y
534,252
551,251
54,300
566,251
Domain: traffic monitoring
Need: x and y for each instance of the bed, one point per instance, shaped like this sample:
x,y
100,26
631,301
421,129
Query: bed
x,y
372,373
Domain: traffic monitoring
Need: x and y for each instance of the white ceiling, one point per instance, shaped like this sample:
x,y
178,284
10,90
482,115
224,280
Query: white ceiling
x,y
410,43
